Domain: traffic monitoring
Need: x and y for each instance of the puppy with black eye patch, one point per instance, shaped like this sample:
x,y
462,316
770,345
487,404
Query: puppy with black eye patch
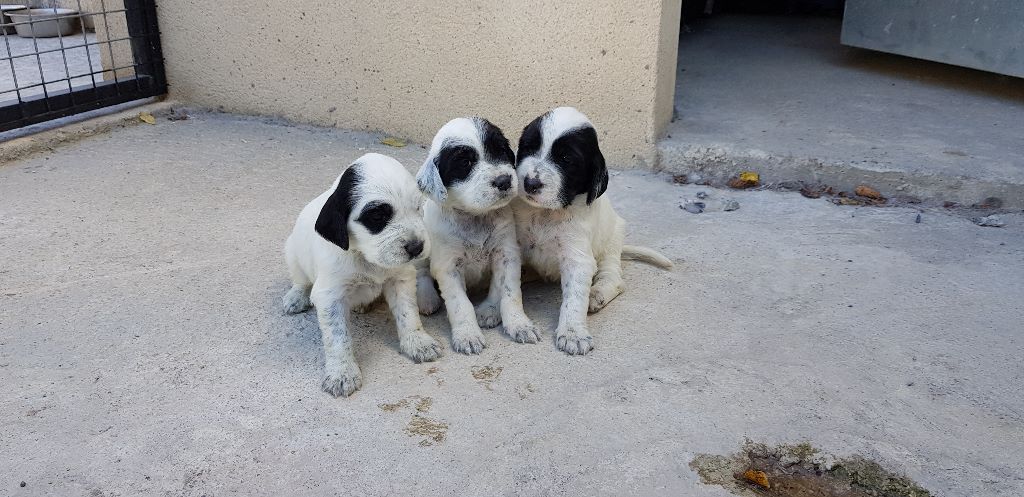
x,y
469,177
567,229
357,240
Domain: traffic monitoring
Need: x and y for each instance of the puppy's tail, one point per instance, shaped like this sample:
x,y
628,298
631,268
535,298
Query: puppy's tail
x,y
645,255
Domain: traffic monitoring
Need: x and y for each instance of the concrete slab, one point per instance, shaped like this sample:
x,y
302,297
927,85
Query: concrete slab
x,y
782,96
143,350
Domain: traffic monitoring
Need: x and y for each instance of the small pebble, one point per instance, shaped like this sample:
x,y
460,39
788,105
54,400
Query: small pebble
x,y
917,220
22,484
702,195
993,221
694,207
730,205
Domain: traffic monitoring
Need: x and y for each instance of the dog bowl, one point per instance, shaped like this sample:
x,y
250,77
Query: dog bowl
x,y
44,23
5,22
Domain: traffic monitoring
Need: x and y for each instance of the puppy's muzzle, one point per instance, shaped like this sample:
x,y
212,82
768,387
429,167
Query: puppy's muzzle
x,y
414,248
532,185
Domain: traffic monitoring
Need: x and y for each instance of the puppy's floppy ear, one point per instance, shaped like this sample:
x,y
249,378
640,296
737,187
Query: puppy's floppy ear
x,y
598,171
429,180
332,224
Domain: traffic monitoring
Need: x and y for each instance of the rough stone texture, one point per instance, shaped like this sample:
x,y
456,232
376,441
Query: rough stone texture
x,y
407,69
143,350
782,96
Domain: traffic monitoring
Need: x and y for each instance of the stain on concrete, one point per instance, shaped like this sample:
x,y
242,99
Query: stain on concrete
x,y
801,471
393,407
432,431
486,375
423,405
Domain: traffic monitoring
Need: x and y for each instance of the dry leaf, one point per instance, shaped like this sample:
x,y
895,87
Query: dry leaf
x,y
757,477
867,191
393,142
147,118
746,179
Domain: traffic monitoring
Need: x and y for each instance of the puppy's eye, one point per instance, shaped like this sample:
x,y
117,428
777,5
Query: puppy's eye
x,y
375,217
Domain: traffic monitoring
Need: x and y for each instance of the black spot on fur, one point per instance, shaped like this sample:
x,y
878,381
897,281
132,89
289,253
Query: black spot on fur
x,y
530,140
496,147
332,223
455,163
581,165
375,216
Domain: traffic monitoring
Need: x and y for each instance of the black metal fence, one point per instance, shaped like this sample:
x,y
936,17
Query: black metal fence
x,y
65,58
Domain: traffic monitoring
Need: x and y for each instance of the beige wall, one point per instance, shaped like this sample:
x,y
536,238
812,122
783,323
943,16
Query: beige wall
x,y
405,68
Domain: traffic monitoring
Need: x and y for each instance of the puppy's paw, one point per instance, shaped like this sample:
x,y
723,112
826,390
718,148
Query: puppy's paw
x,y
468,342
427,298
525,332
488,315
342,381
296,300
602,294
574,340
420,347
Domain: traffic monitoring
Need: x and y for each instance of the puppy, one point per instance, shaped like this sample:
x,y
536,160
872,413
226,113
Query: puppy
x,y
566,228
469,177
356,240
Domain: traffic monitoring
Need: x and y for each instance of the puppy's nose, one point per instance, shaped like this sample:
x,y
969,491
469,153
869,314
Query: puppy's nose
x,y
503,182
532,185
414,248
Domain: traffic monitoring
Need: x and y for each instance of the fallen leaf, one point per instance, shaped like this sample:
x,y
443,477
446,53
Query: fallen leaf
x,y
393,142
147,118
757,477
847,201
679,179
810,193
867,191
746,179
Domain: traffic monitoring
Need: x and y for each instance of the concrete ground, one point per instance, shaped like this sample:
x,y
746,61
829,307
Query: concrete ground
x,y
143,350
782,96
19,72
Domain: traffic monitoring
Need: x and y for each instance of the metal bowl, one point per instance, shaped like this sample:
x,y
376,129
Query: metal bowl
x,y
5,22
44,23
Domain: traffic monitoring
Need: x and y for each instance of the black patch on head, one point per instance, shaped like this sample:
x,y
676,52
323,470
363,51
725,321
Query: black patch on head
x,y
496,147
332,223
455,163
581,165
375,216
530,140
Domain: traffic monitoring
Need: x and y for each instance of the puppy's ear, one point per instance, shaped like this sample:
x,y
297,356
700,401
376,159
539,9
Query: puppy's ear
x,y
332,224
429,181
598,171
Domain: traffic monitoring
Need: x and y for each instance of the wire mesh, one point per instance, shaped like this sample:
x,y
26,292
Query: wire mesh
x,y
59,57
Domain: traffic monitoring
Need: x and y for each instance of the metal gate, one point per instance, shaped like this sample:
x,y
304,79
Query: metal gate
x,y
52,66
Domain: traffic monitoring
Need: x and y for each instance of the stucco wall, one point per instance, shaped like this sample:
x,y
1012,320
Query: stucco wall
x,y
407,67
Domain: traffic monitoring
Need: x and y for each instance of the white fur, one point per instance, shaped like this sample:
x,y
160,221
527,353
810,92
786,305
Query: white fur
x,y
473,243
338,281
580,244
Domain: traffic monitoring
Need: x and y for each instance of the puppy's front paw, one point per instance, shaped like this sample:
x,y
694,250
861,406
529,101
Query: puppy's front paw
x,y
574,340
523,332
342,381
488,315
420,347
601,295
296,300
468,342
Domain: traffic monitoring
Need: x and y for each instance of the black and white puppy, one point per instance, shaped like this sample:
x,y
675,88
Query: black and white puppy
x,y
566,228
356,240
469,177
